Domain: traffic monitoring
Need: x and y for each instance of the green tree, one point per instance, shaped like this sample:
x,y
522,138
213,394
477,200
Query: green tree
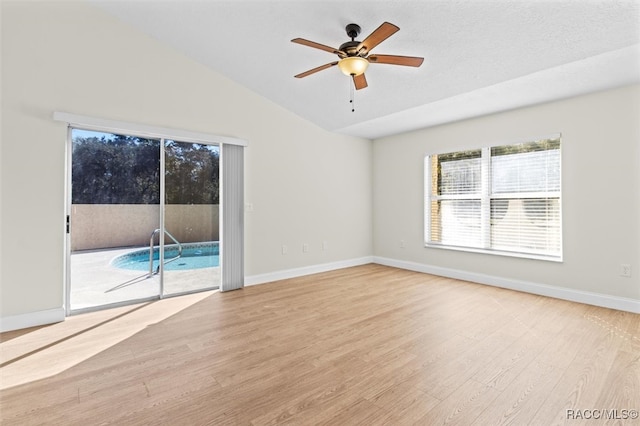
x,y
119,169
192,173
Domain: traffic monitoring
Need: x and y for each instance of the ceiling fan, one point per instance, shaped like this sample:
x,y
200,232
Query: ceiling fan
x,y
355,55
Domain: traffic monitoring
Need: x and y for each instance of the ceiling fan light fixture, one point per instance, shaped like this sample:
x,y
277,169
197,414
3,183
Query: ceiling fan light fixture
x,y
353,65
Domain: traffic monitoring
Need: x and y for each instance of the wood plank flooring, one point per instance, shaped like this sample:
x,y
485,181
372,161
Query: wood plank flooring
x,y
369,345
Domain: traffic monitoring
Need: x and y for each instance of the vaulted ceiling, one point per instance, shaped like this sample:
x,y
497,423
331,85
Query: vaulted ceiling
x,y
480,56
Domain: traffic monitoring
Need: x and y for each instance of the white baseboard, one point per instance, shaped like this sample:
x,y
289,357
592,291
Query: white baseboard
x,y
307,270
589,298
31,319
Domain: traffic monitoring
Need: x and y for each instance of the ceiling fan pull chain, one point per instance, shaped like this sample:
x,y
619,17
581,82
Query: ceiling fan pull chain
x,y
352,94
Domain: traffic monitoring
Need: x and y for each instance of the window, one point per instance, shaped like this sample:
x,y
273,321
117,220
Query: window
x,y
500,199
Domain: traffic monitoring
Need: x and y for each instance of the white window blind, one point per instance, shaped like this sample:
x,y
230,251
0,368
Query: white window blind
x,y
502,199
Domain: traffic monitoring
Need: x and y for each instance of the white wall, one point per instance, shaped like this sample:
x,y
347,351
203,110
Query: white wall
x,y
306,185
601,194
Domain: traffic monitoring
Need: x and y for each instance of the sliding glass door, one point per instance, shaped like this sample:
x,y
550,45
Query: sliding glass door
x,y
115,207
143,219
191,217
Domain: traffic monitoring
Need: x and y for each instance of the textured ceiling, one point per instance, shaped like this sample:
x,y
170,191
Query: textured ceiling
x,y
480,56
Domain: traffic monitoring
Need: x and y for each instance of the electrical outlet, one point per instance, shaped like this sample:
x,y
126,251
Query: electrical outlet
x,y
305,248
285,249
625,270
403,244
325,245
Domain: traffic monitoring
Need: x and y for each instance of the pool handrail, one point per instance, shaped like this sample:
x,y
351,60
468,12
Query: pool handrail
x,y
153,234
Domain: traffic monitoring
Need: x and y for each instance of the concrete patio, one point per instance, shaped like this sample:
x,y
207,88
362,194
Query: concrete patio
x,y
95,282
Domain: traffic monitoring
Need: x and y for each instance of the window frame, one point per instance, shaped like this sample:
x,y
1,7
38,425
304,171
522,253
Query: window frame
x,y
485,196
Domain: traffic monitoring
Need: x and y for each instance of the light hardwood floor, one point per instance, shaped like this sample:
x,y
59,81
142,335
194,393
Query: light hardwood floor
x,y
366,345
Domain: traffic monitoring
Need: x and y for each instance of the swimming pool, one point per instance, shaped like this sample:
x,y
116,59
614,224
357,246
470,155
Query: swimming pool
x,y
194,256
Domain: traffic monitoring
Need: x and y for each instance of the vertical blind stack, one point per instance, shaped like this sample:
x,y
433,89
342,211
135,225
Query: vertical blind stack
x,y
232,259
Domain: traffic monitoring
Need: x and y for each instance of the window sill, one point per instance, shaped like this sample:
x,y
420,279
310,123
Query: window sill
x,y
532,256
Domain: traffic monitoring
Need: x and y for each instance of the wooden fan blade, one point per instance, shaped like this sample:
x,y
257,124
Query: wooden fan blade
x,y
316,45
360,81
316,69
381,33
409,61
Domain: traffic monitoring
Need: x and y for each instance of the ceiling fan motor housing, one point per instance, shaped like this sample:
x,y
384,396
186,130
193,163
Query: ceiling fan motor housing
x,y
350,48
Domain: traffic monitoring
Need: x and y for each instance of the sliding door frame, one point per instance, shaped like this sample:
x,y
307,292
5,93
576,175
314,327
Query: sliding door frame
x,y
235,262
